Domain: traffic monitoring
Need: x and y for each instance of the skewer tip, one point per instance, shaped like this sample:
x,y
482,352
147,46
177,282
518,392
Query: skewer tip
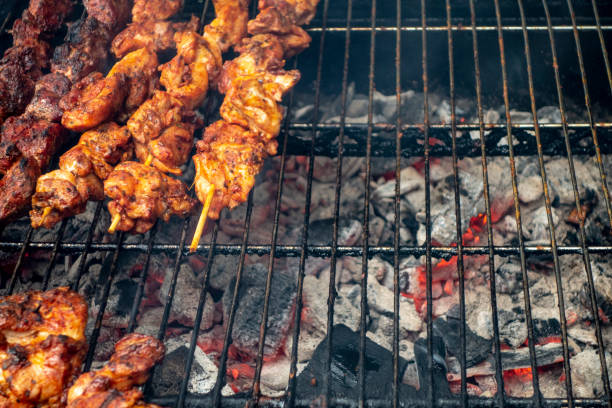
x,y
45,213
114,224
148,160
202,221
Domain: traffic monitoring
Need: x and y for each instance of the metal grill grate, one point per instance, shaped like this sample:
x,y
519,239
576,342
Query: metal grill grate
x,y
402,23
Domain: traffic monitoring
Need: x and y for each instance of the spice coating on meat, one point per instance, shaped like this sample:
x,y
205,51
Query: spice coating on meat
x,y
230,23
114,384
47,94
155,10
42,345
65,192
17,186
141,194
109,12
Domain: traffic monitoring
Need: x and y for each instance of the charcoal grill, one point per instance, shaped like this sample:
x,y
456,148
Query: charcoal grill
x,y
398,26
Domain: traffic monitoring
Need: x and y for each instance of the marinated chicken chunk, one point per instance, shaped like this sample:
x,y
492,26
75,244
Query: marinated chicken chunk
x,y
65,192
42,345
93,100
186,75
155,10
114,384
141,194
154,35
230,23
170,150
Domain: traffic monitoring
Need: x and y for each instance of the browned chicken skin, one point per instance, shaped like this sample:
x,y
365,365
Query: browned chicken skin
x,y
141,194
114,384
79,179
96,98
42,345
155,10
154,35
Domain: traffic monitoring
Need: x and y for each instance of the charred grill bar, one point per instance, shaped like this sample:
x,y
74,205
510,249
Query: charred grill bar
x,y
403,140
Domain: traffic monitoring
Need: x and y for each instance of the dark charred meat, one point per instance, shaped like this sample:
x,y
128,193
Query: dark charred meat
x,y
17,187
47,94
42,346
109,12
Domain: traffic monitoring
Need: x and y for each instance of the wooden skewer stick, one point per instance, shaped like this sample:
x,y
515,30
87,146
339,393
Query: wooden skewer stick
x,y
114,224
149,160
202,221
45,213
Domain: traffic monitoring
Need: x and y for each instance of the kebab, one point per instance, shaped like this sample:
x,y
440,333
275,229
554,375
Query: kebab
x,y
22,64
30,140
233,149
161,129
66,191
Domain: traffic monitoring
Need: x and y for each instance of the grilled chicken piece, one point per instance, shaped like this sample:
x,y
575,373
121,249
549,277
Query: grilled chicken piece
x,y
49,15
85,49
155,10
96,98
186,75
27,136
252,101
47,94
154,35
140,194
299,12
114,384
228,157
92,100
109,12
42,345
140,70
154,115
17,186
79,179
170,150
230,23
270,21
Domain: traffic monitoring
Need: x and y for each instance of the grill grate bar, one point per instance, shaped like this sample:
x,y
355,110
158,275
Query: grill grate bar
x,y
51,264
517,215
585,253
460,266
396,205
428,245
227,340
485,180
93,339
290,398
331,296
317,250
547,203
198,319
273,241
587,101
602,42
24,247
562,28
363,308
142,279
87,246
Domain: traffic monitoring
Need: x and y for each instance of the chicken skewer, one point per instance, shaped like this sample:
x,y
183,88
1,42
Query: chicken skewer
x,y
65,192
162,136
30,140
232,150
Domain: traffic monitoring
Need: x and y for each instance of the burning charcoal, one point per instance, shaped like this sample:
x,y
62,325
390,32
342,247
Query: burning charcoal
x,y
186,298
535,228
439,367
410,180
168,376
549,114
249,306
603,289
380,301
477,348
586,373
530,189
545,330
344,369
509,276
512,327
